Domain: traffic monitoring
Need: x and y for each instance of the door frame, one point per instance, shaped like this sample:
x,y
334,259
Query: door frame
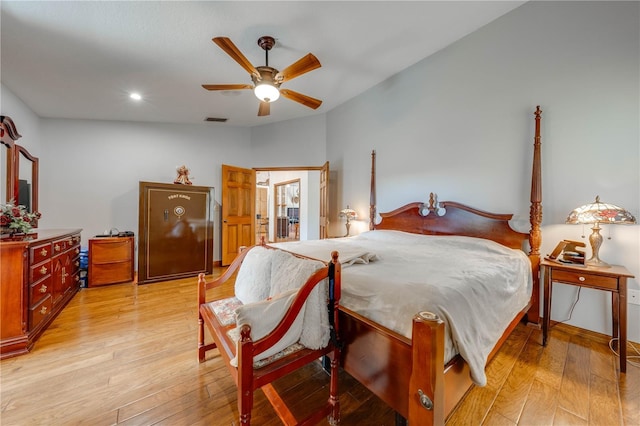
x,y
324,189
323,169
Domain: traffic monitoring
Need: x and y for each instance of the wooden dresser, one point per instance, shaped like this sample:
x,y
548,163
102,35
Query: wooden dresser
x,y
39,277
110,260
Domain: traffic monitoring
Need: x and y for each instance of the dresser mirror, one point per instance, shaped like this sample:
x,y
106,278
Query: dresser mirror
x,y
26,176
8,135
6,172
19,171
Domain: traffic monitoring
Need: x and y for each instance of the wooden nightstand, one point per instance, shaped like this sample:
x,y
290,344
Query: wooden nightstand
x,y
613,279
110,260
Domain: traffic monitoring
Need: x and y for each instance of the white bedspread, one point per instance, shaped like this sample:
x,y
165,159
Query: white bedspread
x,y
476,286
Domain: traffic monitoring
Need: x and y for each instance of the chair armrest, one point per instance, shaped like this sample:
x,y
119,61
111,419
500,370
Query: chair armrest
x,y
203,285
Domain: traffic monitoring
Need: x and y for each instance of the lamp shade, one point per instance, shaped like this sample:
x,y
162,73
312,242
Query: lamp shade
x,y
266,92
599,212
348,213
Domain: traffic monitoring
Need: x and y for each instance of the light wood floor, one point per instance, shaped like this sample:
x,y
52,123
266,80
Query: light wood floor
x,y
127,355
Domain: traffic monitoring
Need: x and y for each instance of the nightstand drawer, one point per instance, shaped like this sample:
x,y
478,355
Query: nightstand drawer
x,y
586,279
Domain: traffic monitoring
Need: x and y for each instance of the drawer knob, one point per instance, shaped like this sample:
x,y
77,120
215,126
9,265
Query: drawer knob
x,y
77,251
43,270
57,247
43,289
43,252
43,310
582,279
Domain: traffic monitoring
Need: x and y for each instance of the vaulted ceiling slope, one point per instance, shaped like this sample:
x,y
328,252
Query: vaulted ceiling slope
x,y
81,59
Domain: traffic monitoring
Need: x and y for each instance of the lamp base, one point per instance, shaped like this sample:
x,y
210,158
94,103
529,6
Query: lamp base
x,y
597,263
595,239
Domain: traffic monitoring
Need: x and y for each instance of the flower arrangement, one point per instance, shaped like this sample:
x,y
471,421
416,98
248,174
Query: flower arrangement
x,y
16,218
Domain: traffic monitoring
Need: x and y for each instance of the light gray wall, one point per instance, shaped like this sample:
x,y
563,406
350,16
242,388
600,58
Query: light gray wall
x,y
460,123
90,170
290,143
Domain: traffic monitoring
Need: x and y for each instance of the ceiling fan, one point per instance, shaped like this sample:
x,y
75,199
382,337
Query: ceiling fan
x,y
266,79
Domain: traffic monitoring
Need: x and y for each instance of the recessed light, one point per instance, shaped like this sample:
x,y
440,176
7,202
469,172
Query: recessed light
x,y
135,96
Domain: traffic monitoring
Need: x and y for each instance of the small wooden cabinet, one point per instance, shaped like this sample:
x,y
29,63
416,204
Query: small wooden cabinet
x,y
110,260
39,277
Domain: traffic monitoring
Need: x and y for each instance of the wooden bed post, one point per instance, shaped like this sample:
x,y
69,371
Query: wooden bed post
x,y
372,195
426,384
535,218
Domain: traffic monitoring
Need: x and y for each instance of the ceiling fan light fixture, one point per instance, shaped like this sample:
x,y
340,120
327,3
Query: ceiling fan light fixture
x,y
266,92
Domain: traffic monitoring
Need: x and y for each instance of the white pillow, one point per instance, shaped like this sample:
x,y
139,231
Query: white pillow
x,y
254,277
263,317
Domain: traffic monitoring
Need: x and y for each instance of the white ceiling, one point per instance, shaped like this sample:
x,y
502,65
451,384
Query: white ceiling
x,y
81,59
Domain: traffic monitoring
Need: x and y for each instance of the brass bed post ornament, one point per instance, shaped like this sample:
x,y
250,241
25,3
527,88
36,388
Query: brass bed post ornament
x,y
183,176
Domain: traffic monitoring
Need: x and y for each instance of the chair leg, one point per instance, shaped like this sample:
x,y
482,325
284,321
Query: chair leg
x,y
201,349
245,405
334,402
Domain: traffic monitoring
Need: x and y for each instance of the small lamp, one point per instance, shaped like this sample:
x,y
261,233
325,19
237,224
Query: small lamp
x,y
597,213
349,214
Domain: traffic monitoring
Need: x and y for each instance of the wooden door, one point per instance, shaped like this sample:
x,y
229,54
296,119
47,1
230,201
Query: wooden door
x,y
324,201
175,231
238,210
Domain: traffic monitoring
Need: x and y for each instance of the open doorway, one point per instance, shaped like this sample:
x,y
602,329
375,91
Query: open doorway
x,y
288,204
287,210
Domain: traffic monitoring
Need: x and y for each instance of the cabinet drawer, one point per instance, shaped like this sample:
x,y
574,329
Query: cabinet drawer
x,y
39,271
590,280
39,290
39,312
110,251
39,253
110,273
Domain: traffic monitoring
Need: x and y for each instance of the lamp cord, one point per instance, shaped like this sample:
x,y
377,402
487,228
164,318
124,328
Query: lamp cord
x,y
629,357
575,302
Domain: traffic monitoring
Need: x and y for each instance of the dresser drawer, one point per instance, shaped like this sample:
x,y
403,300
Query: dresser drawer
x,y
64,244
113,250
39,290
39,253
110,273
586,279
39,312
39,271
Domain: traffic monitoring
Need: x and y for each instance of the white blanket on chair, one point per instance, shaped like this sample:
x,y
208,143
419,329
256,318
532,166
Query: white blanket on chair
x,y
288,273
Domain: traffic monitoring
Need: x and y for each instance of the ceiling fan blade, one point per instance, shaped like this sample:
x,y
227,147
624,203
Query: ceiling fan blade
x,y
227,86
227,45
264,109
303,65
300,98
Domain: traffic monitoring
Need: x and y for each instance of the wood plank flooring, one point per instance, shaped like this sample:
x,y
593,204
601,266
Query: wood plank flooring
x,y
127,355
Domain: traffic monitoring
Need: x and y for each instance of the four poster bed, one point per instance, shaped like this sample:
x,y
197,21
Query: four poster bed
x,y
409,366
428,296
407,374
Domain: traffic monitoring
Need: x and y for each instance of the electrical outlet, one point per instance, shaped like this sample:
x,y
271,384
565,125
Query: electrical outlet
x,y
634,296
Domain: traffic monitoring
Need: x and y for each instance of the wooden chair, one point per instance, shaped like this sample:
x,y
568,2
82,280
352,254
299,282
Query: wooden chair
x,y
239,355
